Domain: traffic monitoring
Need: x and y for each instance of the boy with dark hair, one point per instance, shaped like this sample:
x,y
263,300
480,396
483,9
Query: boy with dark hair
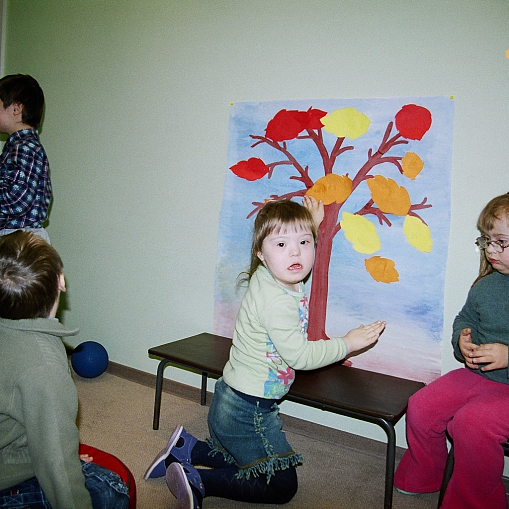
x,y
25,186
39,461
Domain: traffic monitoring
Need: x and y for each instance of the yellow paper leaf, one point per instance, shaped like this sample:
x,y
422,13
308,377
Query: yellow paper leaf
x,y
361,233
382,269
418,234
331,188
412,165
389,196
346,123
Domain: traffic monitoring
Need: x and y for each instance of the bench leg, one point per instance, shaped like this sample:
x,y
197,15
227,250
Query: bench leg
x,y
159,390
390,461
204,376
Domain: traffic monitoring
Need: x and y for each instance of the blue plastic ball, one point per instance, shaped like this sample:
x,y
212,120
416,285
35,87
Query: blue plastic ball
x,y
89,359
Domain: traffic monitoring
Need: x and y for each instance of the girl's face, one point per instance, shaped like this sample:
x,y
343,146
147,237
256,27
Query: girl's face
x,y
289,255
499,234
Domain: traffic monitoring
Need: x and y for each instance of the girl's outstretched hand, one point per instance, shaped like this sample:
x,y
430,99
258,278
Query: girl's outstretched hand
x,y
363,336
315,207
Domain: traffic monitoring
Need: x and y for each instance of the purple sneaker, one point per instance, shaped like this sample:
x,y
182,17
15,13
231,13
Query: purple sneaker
x,y
179,447
185,483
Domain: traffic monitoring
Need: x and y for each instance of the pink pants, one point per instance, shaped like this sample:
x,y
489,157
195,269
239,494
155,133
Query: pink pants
x,y
475,413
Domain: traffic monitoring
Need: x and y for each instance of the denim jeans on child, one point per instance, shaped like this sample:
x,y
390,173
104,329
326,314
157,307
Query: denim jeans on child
x,y
247,454
249,435
106,489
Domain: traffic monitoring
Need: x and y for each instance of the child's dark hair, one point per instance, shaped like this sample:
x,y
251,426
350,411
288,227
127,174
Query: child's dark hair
x,y
495,209
273,217
30,269
23,89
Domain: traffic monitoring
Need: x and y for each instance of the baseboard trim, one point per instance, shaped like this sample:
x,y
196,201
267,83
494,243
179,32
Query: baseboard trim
x,y
149,380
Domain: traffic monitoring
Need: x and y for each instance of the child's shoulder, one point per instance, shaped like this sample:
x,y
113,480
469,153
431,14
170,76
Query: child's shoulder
x,y
494,283
493,278
26,137
264,288
262,280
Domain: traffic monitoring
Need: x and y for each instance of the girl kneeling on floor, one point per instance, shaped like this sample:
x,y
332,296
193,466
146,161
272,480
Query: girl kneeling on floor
x,y
247,453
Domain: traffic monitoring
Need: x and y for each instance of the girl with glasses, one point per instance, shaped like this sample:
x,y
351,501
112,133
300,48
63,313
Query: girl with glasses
x,y
470,404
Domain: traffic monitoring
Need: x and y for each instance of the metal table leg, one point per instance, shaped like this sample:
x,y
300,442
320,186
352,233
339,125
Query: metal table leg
x,y
204,376
159,390
390,461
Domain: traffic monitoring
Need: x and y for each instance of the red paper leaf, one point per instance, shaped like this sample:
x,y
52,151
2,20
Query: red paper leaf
x,y
413,121
252,169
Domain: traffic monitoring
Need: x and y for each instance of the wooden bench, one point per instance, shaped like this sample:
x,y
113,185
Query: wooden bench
x,y
365,395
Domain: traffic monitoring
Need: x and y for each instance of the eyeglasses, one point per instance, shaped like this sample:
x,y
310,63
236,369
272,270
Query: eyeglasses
x,y
484,242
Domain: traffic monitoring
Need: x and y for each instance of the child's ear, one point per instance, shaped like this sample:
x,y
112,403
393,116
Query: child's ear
x,y
260,256
17,108
61,283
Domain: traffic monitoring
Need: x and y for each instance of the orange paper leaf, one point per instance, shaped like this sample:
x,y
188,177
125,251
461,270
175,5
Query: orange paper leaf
x,y
382,269
412,165
331,188
389,196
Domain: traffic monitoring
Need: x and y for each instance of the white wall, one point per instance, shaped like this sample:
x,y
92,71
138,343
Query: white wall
x,y
138,96
3,21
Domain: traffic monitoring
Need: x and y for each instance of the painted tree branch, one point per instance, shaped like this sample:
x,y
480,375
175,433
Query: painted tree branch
x,y
282,148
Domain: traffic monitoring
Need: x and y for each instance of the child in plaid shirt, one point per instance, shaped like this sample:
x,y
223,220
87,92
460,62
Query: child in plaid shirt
x,y
25,186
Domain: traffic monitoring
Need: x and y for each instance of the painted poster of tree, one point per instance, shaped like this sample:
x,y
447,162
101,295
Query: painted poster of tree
x,y
382,168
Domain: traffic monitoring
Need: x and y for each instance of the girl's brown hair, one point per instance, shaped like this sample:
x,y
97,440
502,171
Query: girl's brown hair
x,y
495,209
274,217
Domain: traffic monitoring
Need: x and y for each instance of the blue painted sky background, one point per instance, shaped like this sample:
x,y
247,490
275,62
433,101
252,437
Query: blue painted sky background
x,y
413,307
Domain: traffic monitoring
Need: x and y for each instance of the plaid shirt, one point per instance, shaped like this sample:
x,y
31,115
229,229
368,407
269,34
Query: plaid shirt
x,y
25,186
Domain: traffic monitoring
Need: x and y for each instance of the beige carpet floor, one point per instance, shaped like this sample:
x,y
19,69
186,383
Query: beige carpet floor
x,y
340,470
